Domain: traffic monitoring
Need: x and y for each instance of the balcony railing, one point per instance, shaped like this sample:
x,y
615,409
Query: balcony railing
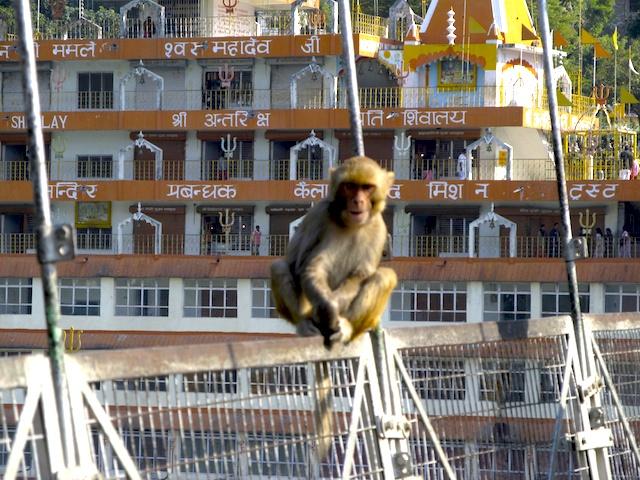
x,y
417,168
526,246
261,99
428,246
369,24
263,23
103,168
17,243
18,170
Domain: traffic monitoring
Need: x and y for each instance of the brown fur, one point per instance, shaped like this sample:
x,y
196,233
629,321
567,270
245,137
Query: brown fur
x,y
331,279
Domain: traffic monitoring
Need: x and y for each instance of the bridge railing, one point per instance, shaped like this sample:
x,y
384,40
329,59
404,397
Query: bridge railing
x,y
492,398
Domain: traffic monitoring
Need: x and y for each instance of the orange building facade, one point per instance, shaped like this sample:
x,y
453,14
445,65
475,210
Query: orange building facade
x,y
168,146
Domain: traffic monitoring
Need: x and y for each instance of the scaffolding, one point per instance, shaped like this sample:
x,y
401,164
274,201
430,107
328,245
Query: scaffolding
x,y
499,400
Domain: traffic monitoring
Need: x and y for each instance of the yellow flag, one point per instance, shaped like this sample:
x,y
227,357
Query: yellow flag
x,y
599,51
559,40
587,38
614,38
626,96
563,101
475,27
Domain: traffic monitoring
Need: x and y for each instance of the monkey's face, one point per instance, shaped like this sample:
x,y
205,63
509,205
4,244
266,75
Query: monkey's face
x,y
355,199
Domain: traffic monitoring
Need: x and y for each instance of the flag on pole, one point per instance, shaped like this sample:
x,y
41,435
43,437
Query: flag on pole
x,y
559,40
528,34
632,68
563,100
587,38
626,96
614,38
599,51
475,27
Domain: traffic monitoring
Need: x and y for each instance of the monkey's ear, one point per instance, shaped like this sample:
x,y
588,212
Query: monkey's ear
x,y
390,178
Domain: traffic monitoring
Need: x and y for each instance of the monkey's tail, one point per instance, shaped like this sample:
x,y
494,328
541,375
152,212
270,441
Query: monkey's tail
x,y
323,417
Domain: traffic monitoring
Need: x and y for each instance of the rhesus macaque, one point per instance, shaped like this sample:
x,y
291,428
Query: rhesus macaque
x,y
330,281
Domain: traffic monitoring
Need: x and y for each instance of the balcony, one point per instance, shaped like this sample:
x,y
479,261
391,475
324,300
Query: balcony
x,y
418,168
233,244
263,23
261,99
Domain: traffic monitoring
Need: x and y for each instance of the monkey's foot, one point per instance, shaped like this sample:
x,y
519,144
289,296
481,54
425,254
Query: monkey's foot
x,y
344,332
306,328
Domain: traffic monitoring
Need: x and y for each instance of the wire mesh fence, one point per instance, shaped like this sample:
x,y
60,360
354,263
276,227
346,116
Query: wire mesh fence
x,y
619,343
494,404
499,400
258,418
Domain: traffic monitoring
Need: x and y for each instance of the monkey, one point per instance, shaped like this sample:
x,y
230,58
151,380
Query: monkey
x,y
330,281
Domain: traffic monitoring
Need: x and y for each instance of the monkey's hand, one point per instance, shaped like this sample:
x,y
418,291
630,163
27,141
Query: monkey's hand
x,y
344,332
326,318
307,328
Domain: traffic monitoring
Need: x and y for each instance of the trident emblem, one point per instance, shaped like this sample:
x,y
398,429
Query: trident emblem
x,y
226,75
226,224
316,19
584,222
229,146
402,143
69,340
230,5
601,94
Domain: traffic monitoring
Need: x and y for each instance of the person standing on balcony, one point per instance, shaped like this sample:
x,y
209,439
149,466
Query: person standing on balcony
x,y
625,243
256,237
461,168
554,241
149,28
542,241
598,250
626,158
608,242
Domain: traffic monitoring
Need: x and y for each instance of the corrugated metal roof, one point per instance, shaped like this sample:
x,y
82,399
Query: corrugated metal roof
x,y
437,269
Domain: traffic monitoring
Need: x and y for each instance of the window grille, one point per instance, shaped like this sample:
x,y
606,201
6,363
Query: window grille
x,y
216,297
95,166
94,238
142,297
429,302
95,91
79,296
262,302
556,300
507,301
621,298
15,296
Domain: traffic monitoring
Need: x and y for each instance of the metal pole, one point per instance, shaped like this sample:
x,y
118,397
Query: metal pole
x,y
45,236
353,104
563,198
351,81
595,458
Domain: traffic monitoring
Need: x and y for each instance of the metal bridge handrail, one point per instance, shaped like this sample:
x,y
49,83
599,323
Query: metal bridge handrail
x,y
133,363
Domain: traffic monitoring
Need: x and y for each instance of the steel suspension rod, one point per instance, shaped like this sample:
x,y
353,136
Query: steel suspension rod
x,y
566,234
44,226
351,81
